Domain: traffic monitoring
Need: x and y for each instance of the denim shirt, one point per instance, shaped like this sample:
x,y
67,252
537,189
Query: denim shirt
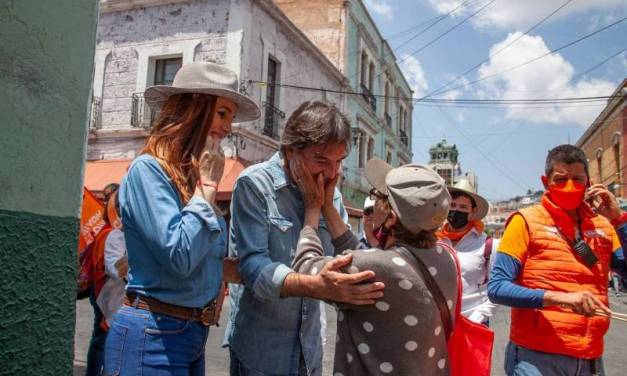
x,y
268,333
174,250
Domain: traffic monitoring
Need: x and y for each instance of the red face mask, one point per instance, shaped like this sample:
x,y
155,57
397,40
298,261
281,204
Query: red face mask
x,y
567,196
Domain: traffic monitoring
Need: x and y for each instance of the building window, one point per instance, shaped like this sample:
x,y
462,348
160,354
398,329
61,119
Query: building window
x,y
370,148
599,155
386,105
360,140
364,68
388,157
371,73
165,70
272,112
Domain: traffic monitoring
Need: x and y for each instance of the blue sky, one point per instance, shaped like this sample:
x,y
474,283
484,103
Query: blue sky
x,y
506,148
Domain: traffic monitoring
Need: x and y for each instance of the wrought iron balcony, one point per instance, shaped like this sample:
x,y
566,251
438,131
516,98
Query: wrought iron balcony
x,y
388,120
95,114
404,138
271,120
368,97
141,115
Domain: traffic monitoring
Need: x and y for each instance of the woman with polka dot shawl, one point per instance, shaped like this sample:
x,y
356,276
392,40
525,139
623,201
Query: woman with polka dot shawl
x,y
402,333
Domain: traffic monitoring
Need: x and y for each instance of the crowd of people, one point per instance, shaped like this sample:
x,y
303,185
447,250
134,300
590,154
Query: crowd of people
x,y
422,264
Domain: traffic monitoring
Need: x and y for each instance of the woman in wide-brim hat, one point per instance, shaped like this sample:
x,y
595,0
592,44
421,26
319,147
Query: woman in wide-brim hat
x,y
174,238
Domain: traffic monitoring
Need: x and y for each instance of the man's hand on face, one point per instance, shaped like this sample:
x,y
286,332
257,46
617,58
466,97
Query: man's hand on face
x,y
312,188
334,285
603,201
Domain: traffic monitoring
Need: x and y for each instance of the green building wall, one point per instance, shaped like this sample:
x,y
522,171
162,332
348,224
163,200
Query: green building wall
x,y
46,64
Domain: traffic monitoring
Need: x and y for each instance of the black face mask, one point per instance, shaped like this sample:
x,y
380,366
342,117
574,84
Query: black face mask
x,y
457,219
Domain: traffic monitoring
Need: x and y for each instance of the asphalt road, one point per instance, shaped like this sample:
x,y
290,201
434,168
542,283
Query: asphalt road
x,y
217,358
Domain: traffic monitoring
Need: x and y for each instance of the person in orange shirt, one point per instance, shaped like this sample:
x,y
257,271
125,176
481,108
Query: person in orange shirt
x,y
552,268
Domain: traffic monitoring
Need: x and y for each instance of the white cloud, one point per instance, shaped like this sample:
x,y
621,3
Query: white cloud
x,y
549,77
522,13
380,7
412,69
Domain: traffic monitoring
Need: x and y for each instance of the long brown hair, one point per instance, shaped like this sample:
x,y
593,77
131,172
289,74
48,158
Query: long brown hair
x,y
178,137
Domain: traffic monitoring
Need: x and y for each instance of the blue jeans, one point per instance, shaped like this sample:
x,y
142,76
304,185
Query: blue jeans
x,y
520,361
146,343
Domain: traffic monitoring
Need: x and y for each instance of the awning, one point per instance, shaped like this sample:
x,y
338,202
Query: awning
x,y
232,169
100,173
352,209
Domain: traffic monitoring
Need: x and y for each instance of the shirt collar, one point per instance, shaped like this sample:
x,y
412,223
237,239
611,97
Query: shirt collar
x,y
279,176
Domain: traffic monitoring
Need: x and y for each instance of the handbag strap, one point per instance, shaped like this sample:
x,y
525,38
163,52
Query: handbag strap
x,y
487,253
432,286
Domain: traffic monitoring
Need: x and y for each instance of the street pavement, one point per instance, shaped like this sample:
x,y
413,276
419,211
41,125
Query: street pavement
x,y
217,358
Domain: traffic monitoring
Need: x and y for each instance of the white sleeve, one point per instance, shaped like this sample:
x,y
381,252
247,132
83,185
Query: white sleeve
x,y
115,249
484,311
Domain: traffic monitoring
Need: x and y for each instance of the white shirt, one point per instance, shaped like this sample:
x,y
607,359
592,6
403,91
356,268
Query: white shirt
x,y
112,294
470,252
115,249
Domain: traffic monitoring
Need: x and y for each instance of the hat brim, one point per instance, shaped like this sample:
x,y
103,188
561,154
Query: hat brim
x,y
376,171
247,109
482,203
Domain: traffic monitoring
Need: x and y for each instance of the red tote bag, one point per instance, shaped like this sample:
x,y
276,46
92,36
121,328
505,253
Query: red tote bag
x,y
470,344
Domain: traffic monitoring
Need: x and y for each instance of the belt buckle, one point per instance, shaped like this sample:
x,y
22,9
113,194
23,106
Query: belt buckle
x,y
207,315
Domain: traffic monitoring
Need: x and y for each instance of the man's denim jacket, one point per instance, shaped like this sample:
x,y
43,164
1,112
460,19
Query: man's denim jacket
x,y
268,333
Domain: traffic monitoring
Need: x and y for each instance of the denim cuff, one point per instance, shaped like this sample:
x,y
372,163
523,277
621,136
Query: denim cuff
x,y
270,281
204,211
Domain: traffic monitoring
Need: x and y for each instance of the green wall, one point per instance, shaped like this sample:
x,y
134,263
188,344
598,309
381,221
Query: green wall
x,y
46,63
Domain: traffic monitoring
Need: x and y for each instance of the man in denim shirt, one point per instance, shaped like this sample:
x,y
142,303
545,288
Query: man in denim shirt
x,y
274,328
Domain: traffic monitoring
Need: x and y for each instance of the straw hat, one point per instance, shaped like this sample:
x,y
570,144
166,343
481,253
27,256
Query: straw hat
x,y
464,186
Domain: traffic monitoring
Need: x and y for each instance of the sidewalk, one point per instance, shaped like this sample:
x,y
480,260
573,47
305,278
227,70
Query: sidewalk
x,y
217,358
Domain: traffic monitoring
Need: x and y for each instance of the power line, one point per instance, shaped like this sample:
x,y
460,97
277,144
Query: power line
x,y
536,25
446,100
447,31
534,59
440,18
352,54
397,48
412,28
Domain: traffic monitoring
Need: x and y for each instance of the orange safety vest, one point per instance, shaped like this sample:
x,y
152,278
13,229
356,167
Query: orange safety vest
x,y
97,259
552,264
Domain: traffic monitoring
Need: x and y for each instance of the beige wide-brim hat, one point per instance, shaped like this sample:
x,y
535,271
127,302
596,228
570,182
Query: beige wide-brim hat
x,y
205,78
464,186
416,193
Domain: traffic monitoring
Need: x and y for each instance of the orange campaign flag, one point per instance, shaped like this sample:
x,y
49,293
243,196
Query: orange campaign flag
x,y
92,220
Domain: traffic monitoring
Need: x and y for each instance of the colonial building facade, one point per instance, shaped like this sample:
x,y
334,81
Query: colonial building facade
x,y
380,107
604,143
144,42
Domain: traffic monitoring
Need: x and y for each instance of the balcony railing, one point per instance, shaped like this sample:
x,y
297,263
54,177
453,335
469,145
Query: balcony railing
x,y
141,115
368,97
388,120
404,138
95,114
271,120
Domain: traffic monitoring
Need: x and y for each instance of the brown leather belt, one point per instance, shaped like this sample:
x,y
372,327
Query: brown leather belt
x,y
206,316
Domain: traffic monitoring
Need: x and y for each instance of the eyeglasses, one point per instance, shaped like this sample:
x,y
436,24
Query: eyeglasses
x,y
376,195
368,211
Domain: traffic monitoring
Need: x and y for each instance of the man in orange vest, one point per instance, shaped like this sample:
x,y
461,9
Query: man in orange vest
x,y
552,268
